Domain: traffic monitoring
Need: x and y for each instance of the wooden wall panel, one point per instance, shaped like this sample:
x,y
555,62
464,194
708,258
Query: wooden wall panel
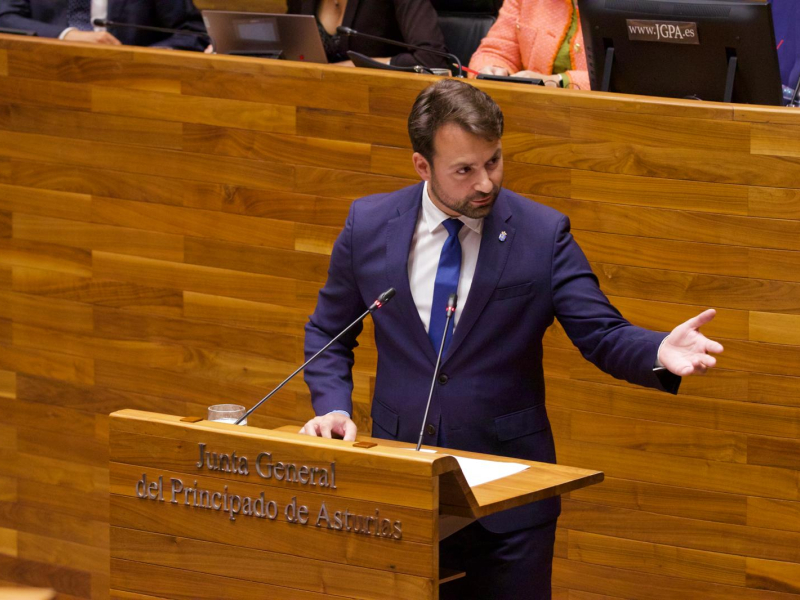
x,y
165,225
92,126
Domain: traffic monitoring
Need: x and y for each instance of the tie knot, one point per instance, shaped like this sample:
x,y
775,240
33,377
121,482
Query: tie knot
x,y
453,226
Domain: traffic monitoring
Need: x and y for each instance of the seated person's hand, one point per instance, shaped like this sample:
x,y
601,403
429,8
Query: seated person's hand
x,y
209,49
93,37
349,63
492,70
329,425
552,80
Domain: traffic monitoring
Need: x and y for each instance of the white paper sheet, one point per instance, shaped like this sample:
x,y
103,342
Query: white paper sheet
x,y
478,471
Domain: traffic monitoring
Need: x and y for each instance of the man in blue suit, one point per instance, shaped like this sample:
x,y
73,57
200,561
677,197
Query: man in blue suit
x,y
72,20
786,17
515,267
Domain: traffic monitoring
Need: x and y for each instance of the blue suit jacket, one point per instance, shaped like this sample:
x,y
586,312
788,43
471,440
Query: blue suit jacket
x,y
49,18
490,397
786,17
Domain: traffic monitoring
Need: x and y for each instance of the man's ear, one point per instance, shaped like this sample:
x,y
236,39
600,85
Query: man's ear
x,y
421,166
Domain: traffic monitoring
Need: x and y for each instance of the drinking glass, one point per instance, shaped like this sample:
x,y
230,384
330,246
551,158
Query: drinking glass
x,y
227,413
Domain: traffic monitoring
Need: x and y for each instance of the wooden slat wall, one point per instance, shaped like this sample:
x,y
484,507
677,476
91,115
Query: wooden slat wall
x,y
165,224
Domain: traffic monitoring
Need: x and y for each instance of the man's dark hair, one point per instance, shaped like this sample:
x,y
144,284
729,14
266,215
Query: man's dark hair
x,y
452,101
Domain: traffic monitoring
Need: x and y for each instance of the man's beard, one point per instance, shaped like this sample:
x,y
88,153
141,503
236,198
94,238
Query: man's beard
x,y
462,206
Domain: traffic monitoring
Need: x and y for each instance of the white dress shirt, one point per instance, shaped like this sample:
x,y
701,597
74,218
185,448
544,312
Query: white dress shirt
x,y
423,259
99,11
426,247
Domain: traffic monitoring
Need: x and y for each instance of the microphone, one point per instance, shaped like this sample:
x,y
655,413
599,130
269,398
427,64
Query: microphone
x,y
348,31
451,310
379,303
107,23
794,94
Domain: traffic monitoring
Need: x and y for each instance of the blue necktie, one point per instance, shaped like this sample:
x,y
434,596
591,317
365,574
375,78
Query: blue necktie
x,y
446,283
79,15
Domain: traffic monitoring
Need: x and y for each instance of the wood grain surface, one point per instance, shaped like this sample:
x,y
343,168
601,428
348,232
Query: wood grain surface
x,y
165,225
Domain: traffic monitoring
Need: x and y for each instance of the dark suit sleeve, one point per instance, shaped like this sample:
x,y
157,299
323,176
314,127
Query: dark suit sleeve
x,y
180,14
600,332
330,377
16,14
419,25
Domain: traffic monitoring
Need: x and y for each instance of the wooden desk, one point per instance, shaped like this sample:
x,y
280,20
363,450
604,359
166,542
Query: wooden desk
x,y
367,528
165,224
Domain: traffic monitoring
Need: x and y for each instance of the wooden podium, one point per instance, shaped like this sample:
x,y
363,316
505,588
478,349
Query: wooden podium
x,y
214,511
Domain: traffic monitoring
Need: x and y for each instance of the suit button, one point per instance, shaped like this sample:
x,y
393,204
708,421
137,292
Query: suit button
x,y
443,378
430,430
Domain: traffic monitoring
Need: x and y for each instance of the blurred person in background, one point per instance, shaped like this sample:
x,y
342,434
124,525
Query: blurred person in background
x,y
72,20
410,21
786,17
539,39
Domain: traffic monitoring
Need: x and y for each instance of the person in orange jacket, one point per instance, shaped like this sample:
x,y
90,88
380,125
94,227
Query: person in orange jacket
x,y
536,38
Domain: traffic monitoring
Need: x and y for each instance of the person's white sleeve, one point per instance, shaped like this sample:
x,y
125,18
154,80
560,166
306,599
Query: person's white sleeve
x,y
341,412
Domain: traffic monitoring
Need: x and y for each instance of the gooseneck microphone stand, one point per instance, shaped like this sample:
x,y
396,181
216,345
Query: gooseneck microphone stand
x,y
108,23
341,30
381,301
451,310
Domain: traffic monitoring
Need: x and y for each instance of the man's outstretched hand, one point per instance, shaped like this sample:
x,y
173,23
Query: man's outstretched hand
x,y
331,424
685,351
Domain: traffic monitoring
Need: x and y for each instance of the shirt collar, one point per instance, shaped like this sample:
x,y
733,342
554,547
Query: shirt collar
x,y
434,216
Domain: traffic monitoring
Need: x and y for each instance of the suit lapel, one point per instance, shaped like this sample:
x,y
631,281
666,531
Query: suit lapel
x,y
114,11
350,13
347,21
399,234
492,258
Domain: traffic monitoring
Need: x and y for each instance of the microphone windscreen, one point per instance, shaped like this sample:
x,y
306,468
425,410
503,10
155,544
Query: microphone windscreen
x,y
452,300
99,22
387,295
342,30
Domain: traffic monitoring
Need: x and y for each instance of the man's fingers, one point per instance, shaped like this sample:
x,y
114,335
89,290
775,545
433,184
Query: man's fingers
x,y
345,428
699,364
310,428
325,429
704,317
350,430
327,425
704,360
715,347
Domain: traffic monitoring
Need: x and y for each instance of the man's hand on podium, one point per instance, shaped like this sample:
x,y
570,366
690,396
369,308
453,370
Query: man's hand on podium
x,y
335,423
685,350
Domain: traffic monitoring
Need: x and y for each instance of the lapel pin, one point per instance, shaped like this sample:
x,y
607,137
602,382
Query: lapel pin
x,y
503,236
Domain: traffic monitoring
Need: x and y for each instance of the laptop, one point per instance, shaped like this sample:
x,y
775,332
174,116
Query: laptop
x,y
291,37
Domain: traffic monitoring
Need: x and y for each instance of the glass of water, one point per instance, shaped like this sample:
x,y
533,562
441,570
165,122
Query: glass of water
x,y
227,413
